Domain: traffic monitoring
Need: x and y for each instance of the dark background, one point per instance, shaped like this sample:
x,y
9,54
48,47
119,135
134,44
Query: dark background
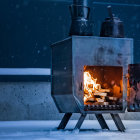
x,y
28,27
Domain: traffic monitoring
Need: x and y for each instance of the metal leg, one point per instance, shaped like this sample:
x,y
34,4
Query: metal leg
x,y
102,121
64,121
116,118
80,121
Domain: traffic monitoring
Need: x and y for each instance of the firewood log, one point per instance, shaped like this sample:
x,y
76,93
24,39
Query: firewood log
x,y
104,90
113,98
100,93
100,100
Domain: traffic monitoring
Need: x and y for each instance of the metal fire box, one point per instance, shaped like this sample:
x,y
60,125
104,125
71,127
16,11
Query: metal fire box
x,y
69,58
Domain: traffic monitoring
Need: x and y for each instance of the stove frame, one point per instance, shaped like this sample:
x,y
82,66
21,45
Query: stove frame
x,y
68,59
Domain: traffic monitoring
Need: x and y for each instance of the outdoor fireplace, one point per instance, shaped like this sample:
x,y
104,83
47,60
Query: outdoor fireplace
x,y
89,74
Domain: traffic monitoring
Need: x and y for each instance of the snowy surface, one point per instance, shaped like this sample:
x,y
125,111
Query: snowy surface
x,y
46,130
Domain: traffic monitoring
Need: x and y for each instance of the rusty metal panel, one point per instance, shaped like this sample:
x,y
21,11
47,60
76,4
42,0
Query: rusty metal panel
x,y
99,51
133,88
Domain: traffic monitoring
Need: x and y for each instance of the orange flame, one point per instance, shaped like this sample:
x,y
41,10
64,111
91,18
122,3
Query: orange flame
x,y
90,85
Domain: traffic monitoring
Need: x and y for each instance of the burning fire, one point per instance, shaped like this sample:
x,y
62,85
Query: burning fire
x,y
93,92
90,85
92,89
89,82
102,92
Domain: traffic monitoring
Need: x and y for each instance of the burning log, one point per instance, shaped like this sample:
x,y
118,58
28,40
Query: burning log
x,y
104,90
90,99
100,93
100,100
113,98
103,97
104,103
117,91
95,95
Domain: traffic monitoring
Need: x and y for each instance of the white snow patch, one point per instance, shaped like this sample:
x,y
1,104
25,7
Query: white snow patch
x,y
25,71
46,130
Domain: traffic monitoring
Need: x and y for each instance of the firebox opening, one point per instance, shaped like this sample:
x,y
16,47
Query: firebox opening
x,y
103,88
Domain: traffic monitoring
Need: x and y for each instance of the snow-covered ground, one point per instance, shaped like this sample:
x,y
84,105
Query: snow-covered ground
x,y
46,130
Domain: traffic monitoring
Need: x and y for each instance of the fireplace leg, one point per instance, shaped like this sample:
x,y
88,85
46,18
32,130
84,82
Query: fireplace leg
x,y
64,121
80,121
116,118
102,121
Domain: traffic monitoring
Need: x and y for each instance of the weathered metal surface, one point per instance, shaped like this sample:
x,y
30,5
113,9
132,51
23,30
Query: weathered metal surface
x,y
80,25
64,121
112,26
62,77
98,51
118,122
134,88
86,3
69,58
80,121
102,121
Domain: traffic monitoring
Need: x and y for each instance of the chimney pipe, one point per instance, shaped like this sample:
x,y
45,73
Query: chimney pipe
x,y
80,25
82,2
